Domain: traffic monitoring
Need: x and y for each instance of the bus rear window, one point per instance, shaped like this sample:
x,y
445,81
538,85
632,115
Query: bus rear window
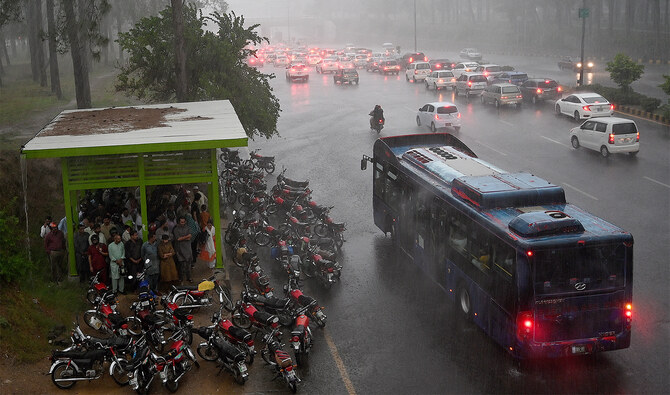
x,y
579,269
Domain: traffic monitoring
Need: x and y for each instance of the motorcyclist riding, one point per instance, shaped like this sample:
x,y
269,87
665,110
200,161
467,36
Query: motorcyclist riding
x,y
376,114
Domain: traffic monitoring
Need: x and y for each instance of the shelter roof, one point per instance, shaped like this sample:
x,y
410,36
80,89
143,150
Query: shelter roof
x,y
135,129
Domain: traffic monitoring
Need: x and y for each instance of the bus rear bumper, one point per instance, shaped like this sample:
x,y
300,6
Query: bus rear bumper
x,y
561,349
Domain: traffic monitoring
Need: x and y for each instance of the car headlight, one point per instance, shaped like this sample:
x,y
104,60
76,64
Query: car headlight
x,y
579,65
590,64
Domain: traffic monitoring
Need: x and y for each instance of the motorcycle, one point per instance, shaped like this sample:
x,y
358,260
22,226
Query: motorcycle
x,y
254,276
284,255
105,318
301,337
96,290
246,314
181,320
332,229
280,360
227,355
283,180
280,307
150,321
256,160
327,271
190,298
376,124
302,301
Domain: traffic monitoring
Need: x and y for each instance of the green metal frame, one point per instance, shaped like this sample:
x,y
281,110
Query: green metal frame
x,y
126,166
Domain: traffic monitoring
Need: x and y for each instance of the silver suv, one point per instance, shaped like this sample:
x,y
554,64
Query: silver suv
x,y
469,84
502,94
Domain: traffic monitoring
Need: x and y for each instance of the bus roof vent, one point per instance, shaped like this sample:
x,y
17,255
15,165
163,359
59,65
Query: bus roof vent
x,y
507,190
442,153
543,223
418,156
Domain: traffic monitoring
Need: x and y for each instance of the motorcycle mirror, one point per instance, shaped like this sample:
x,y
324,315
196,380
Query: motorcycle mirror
x,y
364,164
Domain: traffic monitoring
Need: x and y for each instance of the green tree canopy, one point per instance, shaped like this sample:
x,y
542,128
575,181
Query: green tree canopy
x,y
624,71
215,62
666,84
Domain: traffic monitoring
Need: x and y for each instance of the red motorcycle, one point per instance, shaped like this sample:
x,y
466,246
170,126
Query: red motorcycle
x,y
105,318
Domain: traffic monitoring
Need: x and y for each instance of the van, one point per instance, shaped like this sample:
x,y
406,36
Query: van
x,y
608,135
417,71
502,94
469,84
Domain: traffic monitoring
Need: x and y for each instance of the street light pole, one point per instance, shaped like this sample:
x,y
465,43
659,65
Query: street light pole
x,y
583,13
414,25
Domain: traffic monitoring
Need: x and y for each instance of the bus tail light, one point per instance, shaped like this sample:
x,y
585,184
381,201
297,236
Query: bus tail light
x,y
611,139
524,325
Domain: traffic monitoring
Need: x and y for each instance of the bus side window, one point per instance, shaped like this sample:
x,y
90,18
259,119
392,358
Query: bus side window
x,y
479,248
458,238
379,179
503,273
392,191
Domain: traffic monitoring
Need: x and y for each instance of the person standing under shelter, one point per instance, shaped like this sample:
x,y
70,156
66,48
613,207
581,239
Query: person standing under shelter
x,y
182,244
54,245
46,227
81,252
107,227
97,253
166,254
133,256
117,256
208,251
149,255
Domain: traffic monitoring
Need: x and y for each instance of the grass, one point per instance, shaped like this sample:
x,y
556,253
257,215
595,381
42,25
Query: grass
x,y
30,310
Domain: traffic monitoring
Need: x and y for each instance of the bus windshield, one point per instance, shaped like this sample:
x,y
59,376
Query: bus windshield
x,y
579,269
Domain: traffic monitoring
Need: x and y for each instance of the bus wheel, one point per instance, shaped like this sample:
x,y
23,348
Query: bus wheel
x,y
463,302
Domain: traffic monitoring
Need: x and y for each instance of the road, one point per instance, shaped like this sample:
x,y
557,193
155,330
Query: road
x,y
393,330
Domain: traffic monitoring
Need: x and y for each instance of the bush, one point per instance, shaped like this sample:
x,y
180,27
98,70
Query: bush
x,y
13,261
650,104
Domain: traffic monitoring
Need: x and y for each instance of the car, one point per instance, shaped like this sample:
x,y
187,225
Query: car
x,y
313,59
464,67
439,115
389,67
327,65
584,105
470,84
346,75
281,61
255,61
297,72
441,64
417,71
511,77
373,65
412,57
299,59
360,60
489,70
470,53
573,64
540,89
440,79
607,135
502,94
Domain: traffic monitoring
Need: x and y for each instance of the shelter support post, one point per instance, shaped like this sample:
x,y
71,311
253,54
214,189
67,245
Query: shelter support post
x,y
67,203
215,209
143,198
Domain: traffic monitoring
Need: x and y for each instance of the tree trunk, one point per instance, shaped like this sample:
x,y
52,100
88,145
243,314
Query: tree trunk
x,y
119,26
53,55
85,16
41,57
180,53
4,48
656,22
81,82
32,39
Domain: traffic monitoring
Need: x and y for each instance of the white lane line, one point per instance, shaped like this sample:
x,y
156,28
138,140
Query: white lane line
x,y
554,141
507,123
340,364
580,191
491,148
658,182
410,109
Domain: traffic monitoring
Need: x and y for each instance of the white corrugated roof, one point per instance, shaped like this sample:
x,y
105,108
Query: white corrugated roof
x,y
218,122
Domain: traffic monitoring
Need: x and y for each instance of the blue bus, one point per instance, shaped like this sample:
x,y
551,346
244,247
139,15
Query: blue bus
x,y
542,277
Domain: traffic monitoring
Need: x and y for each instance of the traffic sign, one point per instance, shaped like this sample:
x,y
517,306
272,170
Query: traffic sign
x,y
584,12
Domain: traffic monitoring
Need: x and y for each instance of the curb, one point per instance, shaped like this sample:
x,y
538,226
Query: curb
x,y
596,58
643,114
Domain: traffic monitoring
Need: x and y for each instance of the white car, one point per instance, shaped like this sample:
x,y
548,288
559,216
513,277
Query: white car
x,y
437,80
417,71
328,65
607,135
470,53
312,60
439,115
281,61
464,67
584,105
297,72
489,70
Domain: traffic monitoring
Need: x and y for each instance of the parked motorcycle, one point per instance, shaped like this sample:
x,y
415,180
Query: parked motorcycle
x,y
301,337
328,272
227,355
105,318
246,314
332,229
190,298
96,289
256,160
280,307
254,277
302,301
280,360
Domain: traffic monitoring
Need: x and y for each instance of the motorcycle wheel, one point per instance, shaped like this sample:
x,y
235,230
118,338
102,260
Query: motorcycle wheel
x,y
301,358
228,303
119,372
272,208
171,384
134,326
293,386
265,354
207,352
242,321
262,239
63,371
230,195
94,320
270,167
156,342
188,336
239,379
321,230
184,300
339,240
244,200
250,356
249,164
91,296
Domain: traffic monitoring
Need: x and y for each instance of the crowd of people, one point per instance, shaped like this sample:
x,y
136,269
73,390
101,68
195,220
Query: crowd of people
x,y
108,240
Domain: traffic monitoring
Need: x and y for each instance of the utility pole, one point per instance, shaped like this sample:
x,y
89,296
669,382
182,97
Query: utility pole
x,y
414,25
583,14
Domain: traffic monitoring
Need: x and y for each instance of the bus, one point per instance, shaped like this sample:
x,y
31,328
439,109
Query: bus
x,y
542,277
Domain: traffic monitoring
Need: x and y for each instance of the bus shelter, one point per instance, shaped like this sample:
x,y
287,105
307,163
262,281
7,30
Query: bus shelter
x,y
138,146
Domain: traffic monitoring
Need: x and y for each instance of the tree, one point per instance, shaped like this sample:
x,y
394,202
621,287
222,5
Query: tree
x,y
666,84
10,10
53,53
79,64
624,71
215,66
179,50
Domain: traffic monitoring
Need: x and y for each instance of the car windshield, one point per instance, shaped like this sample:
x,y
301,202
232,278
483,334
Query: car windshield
x,y
519,76
624,128
594,99
349,71
493,69
547,84
447,110
478,78
422,66
391,63
510,89
569,269
445,74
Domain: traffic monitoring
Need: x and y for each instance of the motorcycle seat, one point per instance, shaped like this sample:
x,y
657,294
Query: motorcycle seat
x,y
294,183
240,333
79,354
204,331
266,159
263,317
186,287
116,319
298,331
228,351
114,341
305,300
153,319
274,302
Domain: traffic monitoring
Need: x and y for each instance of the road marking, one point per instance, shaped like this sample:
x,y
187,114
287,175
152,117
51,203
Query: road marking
x,y
507,123
340,365
554,141
580,191
410,109
658,182
491,148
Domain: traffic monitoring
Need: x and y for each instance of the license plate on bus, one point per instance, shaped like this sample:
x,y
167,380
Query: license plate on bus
x,y
579,349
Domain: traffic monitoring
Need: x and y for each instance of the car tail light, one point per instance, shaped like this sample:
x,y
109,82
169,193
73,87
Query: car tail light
x,y
637,139
611,106
611,139
437,116
458,115
425,58
438,66
411,60
586,108
539,91
503,97
524,325
559,89
440,80
486,73
416,71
